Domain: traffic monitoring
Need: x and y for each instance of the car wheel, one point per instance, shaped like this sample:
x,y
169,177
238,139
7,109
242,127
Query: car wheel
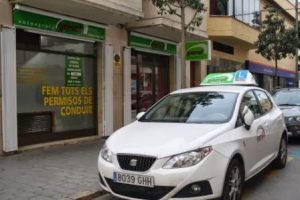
x,y
280,161
234,181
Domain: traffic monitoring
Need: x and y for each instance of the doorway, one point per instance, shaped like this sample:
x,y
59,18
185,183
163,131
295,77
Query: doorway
x,y
149,80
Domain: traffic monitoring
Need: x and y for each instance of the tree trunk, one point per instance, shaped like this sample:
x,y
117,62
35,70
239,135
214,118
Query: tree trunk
x,y
276,76
183,70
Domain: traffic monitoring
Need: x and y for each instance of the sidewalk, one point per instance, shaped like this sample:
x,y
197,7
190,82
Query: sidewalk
x,y
62,172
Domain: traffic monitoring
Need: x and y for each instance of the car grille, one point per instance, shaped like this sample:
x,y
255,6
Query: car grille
x,y
137,191
135,163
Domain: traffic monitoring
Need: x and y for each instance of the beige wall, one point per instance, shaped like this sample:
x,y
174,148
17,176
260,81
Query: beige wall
x,y
150,11
286,5
220,26
198,73
5,13
172,73
100,88
118,37
287,64
240,54
130,6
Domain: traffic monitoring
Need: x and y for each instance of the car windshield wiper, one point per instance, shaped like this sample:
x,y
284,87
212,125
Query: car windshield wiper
x,y
288,104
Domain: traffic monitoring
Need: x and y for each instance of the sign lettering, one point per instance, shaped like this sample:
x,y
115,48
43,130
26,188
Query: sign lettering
x,y
72,101
27,19
147,43
198,50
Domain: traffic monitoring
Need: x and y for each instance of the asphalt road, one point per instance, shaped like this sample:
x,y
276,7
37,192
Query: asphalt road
x,y
270,184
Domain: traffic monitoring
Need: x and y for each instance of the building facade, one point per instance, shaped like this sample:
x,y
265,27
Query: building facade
x,y
233,26
78,70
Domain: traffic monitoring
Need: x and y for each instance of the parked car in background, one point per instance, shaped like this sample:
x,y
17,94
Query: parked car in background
x,y
288,100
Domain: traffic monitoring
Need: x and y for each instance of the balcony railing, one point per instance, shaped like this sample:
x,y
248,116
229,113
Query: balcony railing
x,y
246,11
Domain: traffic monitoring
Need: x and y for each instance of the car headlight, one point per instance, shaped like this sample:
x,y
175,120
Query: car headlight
x,y
187,159
106,154
290,119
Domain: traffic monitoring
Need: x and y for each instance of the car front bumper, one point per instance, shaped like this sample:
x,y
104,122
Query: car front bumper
x,y
294,129
209,174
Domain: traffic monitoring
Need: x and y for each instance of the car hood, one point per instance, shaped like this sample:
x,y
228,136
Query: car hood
x,y
290,111
163,139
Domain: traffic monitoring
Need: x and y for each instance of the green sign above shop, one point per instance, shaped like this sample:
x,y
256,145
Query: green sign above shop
x,y
73,71
26,19
198,50
147,43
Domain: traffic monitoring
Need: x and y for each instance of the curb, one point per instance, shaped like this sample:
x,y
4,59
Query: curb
x,y
87,195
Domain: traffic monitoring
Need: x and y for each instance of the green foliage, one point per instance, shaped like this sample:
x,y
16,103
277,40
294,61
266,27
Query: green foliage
x,y
173,7
275,41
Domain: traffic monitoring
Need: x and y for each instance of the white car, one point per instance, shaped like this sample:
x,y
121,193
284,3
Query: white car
x,y
198,143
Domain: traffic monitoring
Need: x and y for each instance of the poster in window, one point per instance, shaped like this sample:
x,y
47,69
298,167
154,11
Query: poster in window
x,y
73,72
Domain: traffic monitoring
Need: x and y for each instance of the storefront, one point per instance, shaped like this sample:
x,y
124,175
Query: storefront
x,y
264,75
56,65
150,70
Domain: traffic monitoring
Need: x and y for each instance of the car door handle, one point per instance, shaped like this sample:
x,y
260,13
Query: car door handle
x,y
266,125
279,119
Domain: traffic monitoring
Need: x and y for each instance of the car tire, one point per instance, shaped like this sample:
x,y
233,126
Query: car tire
x,y
280,161
234,181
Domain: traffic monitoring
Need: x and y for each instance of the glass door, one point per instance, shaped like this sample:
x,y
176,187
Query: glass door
x,y
146,87
149,80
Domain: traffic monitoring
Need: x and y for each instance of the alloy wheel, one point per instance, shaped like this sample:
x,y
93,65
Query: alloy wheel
x,y
235,183
283,151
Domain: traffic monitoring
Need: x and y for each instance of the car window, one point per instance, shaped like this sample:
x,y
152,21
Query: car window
x,y
249,100
199,107
264,101
287,97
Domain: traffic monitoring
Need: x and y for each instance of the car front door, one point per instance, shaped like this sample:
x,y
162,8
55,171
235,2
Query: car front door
x,y
253,144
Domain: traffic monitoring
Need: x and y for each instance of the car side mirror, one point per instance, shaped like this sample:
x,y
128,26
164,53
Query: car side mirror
x,y
248,117
139,115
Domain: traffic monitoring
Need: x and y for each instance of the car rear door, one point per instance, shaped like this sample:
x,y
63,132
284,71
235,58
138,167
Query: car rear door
x,y
273,122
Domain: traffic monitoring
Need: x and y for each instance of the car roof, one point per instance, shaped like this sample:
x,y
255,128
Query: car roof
x,y
218,88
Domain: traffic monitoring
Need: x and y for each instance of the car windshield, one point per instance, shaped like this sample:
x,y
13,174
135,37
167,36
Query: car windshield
x,y
287,98
200,107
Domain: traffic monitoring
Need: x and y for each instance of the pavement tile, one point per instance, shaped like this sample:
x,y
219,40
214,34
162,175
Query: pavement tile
x,y
53,173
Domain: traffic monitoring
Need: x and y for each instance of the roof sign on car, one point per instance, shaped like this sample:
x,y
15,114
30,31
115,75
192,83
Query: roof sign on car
x,y
240,77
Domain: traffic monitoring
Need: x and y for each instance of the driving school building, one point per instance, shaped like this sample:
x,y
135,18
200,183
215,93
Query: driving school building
x,y
82,69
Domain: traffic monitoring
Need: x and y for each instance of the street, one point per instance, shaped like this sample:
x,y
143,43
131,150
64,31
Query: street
x,y
270,184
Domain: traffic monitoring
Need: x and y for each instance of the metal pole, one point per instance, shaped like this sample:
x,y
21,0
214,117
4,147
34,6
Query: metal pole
x,y
297,36
183,34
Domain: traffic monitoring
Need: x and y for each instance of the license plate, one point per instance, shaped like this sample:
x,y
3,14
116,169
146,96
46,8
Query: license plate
x,y
132,179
